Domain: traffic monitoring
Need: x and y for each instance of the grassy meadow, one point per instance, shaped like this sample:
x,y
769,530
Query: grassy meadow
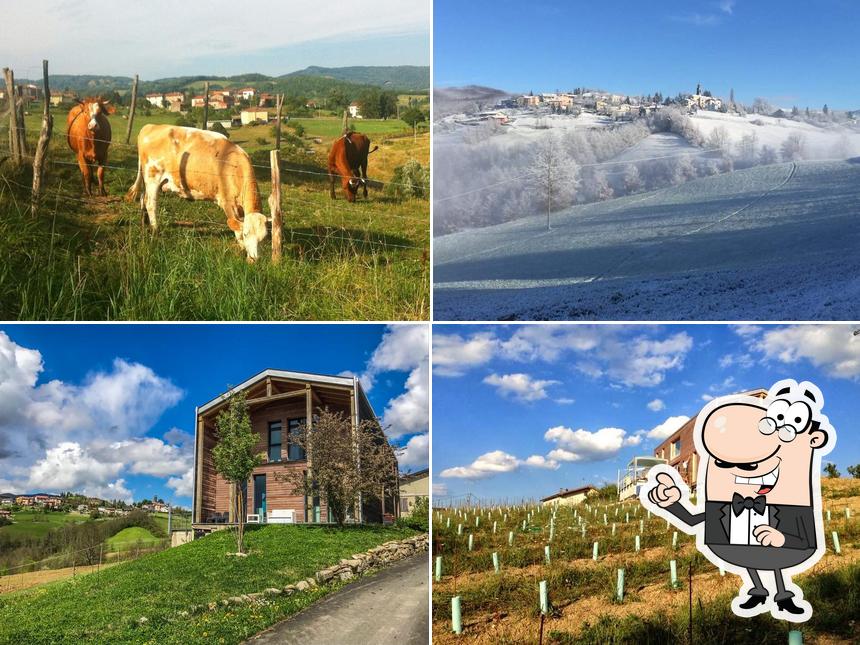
x,y
132,537
90,258
583,603
151,599
36,524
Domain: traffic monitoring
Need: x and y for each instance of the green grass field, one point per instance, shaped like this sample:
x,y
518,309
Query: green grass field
x,y
91,259
34,524
332,127
107,607
132,537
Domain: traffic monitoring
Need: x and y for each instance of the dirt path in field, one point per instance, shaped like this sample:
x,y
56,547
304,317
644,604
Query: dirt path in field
x,y
19,581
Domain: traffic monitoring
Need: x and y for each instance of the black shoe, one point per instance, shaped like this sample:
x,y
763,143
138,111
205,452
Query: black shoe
x,y
789,606
753,601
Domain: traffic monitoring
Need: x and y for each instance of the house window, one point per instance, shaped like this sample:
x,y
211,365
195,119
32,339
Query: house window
x,y
294,451
676,448
274,440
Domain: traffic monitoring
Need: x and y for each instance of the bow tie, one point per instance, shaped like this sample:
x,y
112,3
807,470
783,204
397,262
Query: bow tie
x,y
740,503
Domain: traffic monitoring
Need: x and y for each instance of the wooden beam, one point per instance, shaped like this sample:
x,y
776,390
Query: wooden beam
x,y
276,397
198,475
268,386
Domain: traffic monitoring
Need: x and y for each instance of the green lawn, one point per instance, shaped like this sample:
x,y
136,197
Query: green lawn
x,y
332,127
107,607
90,259
131,537
36,524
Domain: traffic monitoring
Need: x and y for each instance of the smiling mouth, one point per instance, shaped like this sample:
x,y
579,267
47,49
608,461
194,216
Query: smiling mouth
x,y
764,482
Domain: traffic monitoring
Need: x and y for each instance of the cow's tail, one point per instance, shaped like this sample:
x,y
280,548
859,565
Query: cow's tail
x,y
134,192
375,148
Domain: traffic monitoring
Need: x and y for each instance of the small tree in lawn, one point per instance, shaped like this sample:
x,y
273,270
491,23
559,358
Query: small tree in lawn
x,y
343,465
234,456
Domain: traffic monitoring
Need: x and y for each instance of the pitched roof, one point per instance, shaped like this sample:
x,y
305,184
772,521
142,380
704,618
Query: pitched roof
x,y
567,492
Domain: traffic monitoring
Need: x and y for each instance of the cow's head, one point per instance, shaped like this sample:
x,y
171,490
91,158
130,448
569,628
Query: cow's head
x,y
95,107
253,232
352,186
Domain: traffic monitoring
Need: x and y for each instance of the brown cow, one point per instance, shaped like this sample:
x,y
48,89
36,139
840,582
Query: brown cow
x,y
347,159
89,135
199,164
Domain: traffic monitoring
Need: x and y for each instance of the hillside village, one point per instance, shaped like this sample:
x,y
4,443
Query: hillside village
x,y
11,503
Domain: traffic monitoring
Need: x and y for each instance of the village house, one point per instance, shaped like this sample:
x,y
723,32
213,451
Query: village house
x,y
62,98
413,486
7,499
569,496
702,102
156,507
24,500
197,101
266,100
529,101
155,99
354,110
247,93
174,101
279,404
254,115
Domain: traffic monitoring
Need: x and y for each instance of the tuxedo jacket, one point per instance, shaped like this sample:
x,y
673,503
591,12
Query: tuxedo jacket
x,y
796,523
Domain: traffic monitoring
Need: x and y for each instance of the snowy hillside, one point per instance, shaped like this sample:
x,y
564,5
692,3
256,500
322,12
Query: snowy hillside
x,y
778,242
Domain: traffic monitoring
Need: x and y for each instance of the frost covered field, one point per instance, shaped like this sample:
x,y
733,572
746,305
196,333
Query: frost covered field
x,y
712,216
776,242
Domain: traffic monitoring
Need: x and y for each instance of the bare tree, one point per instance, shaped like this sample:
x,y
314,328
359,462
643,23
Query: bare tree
x,y
557,175
346,464
793,146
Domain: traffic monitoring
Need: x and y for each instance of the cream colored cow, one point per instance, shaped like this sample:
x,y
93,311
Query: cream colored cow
x,y
198,164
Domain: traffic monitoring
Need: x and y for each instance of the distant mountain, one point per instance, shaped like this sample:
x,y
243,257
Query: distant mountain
x,y
451,100
403,77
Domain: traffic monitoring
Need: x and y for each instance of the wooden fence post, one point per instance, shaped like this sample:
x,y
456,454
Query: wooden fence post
x,y
22,131
131,110
205,104
279,104
42,146
9,76
275,206
345,121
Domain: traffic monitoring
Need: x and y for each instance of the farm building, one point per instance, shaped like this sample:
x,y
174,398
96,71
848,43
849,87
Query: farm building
x,y
569,496
679,452
279,404
155,99
412,487
355,110
174,101
247,93
254,115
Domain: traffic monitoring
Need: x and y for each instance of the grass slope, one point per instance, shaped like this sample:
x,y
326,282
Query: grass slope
x,y
34,524
107,607
131,537
90,259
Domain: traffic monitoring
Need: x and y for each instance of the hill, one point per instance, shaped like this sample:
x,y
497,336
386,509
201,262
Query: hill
x,y
148,600
404,77
452,100
726,247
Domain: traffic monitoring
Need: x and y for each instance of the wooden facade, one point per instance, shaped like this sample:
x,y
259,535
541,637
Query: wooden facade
x,y
679,450
279,402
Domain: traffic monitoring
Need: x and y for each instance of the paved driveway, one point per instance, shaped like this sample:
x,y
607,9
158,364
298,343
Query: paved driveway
x,y
391,606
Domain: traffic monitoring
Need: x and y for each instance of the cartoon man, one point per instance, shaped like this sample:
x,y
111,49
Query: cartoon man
x,y
759,496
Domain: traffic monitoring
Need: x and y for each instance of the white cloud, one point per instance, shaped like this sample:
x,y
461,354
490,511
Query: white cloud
x,y
182,486
440,489
832,348
583,445
727,6
668,427
520,386
495,463
453,354
415,454
637,356
565,401
57,436
656,405
741,360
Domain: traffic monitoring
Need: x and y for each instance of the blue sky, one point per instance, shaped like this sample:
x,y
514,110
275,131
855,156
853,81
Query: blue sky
x,y
109,409
163,38
789,51
513,404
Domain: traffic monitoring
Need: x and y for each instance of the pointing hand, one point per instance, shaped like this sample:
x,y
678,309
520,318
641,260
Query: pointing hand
x,y
666,492
768,536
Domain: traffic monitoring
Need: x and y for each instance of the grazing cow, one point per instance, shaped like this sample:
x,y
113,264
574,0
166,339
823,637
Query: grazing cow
x,y
199,164
88,134
347,159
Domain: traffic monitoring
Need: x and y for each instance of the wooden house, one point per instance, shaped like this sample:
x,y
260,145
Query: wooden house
x,y
279,404
413,486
